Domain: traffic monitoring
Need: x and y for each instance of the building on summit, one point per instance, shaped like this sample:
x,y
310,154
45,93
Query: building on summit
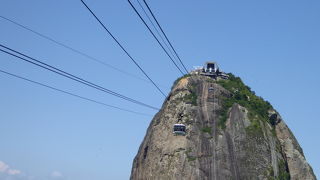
x,y
210,69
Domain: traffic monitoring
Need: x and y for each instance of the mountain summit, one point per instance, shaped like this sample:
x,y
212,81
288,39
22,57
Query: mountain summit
x,y
216,128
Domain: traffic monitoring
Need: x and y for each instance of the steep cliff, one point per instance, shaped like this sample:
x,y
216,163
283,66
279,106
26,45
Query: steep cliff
x,y
230,134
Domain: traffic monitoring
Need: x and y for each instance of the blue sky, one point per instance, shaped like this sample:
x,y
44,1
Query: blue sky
x,y
274,46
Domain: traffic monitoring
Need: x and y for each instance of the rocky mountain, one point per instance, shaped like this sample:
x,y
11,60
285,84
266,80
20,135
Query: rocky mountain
x,y
230,134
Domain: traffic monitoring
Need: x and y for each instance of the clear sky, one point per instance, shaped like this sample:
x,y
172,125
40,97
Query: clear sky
x,y
274,46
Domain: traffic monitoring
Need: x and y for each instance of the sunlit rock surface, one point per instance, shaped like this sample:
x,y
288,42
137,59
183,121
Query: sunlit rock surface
x,y
242,146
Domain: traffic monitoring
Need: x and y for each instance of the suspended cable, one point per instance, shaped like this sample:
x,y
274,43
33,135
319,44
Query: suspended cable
x,y
72,94
164,34
135,10
70,76
75,78
126,52
157,31
73,49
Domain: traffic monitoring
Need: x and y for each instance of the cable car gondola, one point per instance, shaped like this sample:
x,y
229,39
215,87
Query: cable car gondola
x,y
179,129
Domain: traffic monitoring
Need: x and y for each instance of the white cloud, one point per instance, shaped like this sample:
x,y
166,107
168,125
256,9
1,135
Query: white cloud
x,y
56,174
5,169
13,172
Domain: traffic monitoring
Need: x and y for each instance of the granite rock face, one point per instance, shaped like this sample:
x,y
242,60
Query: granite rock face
x,y
240,149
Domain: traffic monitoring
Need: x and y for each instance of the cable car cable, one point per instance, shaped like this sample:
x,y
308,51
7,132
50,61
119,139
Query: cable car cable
x,y
157,31
72,94
155,36
70,76
126,52
164,34
75,78
73,49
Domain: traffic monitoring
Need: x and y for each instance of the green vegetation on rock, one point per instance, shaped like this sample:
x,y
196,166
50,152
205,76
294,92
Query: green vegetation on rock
x,y
242,94
177,80
254,129
206,130
191,98
226,105
191,158
283,173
